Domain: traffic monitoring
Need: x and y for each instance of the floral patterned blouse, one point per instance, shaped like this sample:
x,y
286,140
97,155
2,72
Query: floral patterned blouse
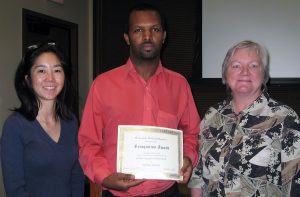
x,y
253,153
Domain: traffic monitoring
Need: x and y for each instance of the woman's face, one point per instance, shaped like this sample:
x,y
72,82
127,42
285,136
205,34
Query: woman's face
x,y
245,73
47,77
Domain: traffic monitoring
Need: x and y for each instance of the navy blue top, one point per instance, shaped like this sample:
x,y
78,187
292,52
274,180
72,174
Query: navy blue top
x,y
34,165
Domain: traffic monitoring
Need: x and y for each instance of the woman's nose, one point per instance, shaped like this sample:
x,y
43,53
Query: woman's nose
x,y
49,76
244,70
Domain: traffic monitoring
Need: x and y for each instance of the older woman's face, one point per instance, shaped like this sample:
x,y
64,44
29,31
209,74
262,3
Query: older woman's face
x,y
245,73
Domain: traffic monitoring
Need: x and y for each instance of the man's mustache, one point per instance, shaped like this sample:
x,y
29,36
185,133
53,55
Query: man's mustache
x,y
147,42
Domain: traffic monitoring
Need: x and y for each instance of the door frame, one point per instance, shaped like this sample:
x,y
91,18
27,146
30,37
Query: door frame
x,y
30,17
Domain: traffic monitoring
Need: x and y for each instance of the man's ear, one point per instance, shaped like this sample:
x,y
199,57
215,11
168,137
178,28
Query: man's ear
x,y
165,35
126,38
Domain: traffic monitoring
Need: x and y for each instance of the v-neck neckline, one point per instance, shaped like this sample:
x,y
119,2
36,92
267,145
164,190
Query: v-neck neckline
x,y
45,134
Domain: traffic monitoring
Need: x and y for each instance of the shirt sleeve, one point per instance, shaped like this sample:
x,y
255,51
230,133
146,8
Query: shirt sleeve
x,y
290,156
91,158
196,180
12,150
77,179
190,124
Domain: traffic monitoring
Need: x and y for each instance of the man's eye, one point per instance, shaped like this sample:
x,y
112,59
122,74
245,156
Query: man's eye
x,y
138,30
156,29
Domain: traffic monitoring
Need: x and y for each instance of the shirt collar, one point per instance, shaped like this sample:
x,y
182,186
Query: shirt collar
x,y
130,69
259,103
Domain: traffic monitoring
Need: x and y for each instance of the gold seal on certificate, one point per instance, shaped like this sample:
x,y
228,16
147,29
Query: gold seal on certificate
x,y
150,152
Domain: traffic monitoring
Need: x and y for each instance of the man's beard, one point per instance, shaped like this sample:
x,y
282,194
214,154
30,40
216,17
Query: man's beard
x,y
147,55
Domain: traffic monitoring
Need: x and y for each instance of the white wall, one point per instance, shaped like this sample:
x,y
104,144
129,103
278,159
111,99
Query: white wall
x,y
75,11
273,23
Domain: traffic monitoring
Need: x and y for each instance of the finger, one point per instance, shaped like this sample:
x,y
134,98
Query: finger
x,y
187,163
128,177
134,182
186,174
123,177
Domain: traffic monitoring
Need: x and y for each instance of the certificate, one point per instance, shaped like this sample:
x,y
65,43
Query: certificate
x,y
150,152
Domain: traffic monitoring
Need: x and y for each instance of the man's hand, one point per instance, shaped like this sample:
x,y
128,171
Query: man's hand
x,y
186,170
120,181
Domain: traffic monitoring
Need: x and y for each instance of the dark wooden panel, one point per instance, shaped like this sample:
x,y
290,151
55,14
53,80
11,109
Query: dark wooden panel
x,y
110,49
288,94
206,95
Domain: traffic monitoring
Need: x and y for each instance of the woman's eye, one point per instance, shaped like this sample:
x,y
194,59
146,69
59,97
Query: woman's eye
x,y
58,70
235,65
253,66
41,71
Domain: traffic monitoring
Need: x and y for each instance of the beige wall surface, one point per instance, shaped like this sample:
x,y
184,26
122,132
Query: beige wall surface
x,y
75,11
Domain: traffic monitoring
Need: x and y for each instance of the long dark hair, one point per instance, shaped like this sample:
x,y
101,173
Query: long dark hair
x,y
29,102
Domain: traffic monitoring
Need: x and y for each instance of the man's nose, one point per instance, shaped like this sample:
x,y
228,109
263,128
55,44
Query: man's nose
x,y
147,35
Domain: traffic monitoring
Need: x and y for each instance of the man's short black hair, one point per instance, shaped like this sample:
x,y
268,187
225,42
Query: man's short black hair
x,y
145,7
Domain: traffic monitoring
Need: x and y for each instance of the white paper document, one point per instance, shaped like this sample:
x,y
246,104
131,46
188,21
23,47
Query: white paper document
x,y
150,152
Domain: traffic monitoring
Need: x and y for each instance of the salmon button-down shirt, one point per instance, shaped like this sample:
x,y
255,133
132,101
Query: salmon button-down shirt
x,y
122,97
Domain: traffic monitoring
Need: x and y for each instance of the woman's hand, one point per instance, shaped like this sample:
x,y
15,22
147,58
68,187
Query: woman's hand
x,y
196,192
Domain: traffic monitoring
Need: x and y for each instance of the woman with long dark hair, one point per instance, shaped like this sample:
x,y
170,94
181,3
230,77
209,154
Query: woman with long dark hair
x,y
39,152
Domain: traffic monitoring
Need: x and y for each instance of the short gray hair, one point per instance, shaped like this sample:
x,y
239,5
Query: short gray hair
x,y
261,51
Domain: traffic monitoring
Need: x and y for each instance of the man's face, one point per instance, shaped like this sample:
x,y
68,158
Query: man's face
x,y
145,35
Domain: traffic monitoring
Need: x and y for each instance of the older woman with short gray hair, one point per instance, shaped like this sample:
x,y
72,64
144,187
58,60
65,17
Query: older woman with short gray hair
x,y
250,143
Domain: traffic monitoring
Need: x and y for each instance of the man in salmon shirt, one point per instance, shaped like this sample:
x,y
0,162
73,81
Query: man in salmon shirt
x,y
140,92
